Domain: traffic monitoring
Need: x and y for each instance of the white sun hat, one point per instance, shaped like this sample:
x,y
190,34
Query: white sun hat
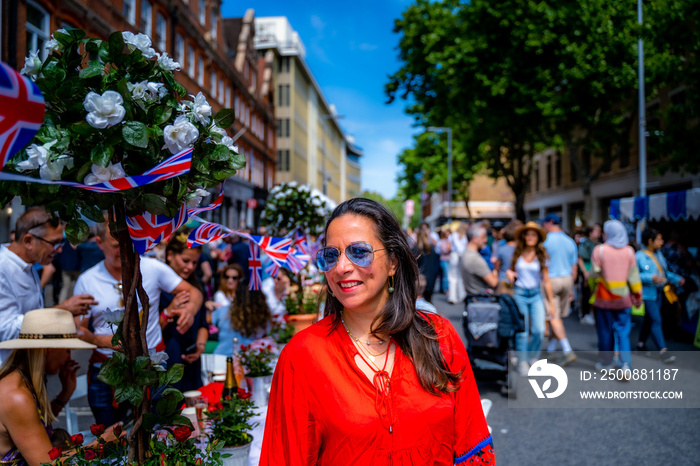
x,y
47,328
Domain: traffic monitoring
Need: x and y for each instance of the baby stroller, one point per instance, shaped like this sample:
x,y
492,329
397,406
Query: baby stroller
x,y
490,322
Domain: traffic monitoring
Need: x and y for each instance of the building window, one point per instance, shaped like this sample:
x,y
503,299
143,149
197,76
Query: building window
x,y
221,90
190,60
283,160
557,169
180,49
213,25
161,31
537,177
283,65
227,103
37,29
203,12
237,107
200,71
549,172
283,95
147,18
129,11
212,84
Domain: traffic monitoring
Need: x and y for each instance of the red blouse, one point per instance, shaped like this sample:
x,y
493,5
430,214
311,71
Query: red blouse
x,y
322,408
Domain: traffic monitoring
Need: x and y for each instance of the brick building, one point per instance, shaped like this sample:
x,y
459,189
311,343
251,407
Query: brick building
x,y
216,61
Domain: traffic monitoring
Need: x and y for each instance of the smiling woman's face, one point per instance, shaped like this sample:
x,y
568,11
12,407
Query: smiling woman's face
x,y
361,289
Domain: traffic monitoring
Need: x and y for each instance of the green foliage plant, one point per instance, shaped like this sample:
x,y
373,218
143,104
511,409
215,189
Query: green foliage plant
x,y
291,205
230,424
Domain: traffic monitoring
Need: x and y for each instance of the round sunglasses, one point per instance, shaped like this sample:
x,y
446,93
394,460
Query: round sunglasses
x,y
360,253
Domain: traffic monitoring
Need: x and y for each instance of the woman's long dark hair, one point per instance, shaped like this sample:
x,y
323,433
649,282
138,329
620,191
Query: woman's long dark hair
x,y
540,251
412,331
249,312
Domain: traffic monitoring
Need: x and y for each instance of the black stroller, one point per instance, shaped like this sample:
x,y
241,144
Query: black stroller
x,y
490,322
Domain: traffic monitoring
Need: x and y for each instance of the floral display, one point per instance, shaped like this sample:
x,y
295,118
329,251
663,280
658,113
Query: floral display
x,y
257,358
290,206
303,300
230,424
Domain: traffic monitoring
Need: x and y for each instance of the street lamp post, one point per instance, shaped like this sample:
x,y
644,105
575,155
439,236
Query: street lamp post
x,y
440,129
642,122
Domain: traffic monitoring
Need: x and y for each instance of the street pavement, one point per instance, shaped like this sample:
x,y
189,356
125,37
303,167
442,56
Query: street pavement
x,y
537,436
585,436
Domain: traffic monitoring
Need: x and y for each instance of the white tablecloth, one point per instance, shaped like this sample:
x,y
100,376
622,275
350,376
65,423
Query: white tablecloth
x,y
257,433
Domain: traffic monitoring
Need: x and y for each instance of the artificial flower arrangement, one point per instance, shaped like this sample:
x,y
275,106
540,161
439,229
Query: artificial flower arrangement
x,y
115,110
290,206
229,420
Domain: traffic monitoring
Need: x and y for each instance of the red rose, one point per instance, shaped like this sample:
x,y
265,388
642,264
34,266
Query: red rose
x,y
243,348
55,453
162,459
77,439
182,433
90,455
242,394
97,429
198,462
117,429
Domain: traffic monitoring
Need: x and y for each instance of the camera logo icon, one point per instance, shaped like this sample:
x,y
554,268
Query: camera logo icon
x,y
547,371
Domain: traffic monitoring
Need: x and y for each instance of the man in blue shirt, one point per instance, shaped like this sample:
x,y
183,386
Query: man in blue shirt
x,y
563,259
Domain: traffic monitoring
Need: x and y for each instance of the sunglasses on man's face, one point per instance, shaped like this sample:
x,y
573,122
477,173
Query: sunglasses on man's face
x,y
360,253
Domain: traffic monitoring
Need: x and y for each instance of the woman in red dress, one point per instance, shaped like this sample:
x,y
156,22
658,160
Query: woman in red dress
x,y
375,382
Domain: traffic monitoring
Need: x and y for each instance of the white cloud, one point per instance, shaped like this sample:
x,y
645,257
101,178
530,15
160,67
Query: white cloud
x,y
316,43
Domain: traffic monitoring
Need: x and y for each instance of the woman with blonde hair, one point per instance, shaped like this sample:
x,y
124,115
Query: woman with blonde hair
x,y
43,347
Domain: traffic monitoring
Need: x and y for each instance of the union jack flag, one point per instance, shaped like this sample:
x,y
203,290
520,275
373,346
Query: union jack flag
x,y
277,249
206,233
272,269
254,266
217,202
300,243
296,260
21,112
148,229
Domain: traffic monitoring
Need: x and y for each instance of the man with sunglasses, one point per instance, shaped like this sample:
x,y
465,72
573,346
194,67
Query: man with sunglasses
x,y
38,238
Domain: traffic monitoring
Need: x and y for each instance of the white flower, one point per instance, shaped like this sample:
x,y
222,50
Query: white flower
x,y
157,90
104,110
102,174
113,317
138,90
180,135
228,142
292,184
139,41
36,157
194,198
168,63
201,109
53,169
32,65
157,358
316,201
53,45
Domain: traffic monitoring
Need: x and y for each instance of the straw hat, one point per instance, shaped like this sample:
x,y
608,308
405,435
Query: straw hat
x,y
47,328
530,226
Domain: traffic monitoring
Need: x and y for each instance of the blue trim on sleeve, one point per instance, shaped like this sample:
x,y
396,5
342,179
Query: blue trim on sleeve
x,y
480,446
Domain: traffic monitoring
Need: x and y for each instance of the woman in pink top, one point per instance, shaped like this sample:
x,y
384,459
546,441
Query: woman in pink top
x,y
618,287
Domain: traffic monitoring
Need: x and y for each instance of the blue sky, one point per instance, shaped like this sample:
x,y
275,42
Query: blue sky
x,y
351,49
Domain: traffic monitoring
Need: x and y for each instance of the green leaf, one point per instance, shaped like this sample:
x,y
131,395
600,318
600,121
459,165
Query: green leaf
x,y
225,117
150,420
95,68
128,392
173,392
154,204
101,155
82,128
221,175
141,362
161,114
93,213
166,406
180,420
116,44
147,377
53,71
172,375
219,152
237,161
135,133
77,231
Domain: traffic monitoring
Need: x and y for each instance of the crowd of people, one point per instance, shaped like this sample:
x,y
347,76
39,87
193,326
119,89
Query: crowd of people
x,y
597,273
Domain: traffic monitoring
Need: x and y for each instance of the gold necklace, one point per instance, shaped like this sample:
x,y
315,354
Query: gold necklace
x,y
359,342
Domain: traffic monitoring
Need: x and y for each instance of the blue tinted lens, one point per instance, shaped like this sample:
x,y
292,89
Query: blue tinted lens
x,y
326,258
360,254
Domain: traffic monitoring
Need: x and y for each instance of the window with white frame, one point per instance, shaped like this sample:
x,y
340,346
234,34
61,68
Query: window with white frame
x,y
161,31
203,12
221,90
179,49
213,26
237,107
190,61
129,10
227,103
212,84
37,29
146,18
200,71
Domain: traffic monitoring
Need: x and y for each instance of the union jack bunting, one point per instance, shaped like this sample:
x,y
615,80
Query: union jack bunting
x,y
206,233
296,260
147,230
217,202
254,267
21,112
277,249
272,269
173,166
300,243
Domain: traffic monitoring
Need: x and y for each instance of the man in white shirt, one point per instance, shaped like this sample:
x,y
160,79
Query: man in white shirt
x,y
104,280
38,238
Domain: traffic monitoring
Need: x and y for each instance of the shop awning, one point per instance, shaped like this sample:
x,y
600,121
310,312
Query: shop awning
x,y
677,205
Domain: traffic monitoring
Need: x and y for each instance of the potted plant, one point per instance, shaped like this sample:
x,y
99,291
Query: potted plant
x,y
230,428
114,110
302,304
282,331
257,360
